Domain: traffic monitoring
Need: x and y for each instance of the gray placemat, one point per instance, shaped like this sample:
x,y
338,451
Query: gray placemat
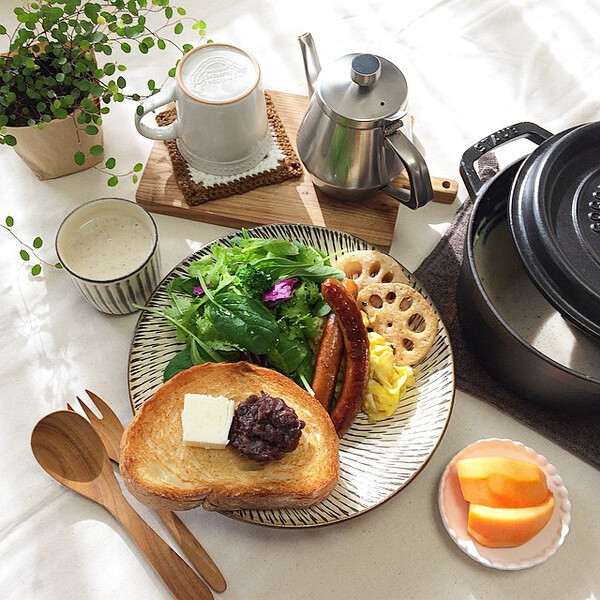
x,y
439,275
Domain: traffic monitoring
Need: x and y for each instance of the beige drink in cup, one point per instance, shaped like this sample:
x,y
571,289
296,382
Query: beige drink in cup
x,y
109,247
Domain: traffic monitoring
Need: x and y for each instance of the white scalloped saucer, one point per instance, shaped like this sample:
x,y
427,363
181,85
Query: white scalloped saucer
x,y
454,510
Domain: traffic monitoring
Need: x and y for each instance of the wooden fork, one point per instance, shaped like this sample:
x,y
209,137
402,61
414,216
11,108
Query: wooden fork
x,y
110,430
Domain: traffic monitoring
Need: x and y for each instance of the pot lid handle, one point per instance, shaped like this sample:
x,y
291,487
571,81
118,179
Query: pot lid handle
x,y
527,130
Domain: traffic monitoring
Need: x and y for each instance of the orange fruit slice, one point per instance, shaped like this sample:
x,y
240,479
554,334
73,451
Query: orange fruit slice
x,y
501,482
508,527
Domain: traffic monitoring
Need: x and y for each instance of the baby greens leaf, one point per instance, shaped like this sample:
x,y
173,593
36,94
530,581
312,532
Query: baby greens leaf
x,y
244,321
183,285
287,355
179,362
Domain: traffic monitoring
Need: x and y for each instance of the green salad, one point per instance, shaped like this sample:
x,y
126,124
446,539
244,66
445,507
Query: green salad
x,y
258,300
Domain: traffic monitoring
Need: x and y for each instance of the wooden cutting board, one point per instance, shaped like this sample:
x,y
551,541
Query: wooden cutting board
x,y
293,201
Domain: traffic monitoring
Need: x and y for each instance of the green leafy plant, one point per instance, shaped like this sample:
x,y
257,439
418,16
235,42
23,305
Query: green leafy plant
x,y
53,64
28,252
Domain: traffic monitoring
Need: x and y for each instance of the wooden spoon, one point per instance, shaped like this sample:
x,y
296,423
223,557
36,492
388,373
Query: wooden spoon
x,y
69,450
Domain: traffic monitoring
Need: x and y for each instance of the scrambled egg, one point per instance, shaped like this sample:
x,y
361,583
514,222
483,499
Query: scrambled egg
x,y
387,382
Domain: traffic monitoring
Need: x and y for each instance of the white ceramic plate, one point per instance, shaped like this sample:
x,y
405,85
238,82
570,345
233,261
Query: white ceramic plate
x,y
376,460
454,510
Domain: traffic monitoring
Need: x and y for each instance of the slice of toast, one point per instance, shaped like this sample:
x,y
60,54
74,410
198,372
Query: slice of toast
x,y
162,472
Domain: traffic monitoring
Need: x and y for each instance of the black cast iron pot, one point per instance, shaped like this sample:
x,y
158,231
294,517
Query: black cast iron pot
x,y
530,334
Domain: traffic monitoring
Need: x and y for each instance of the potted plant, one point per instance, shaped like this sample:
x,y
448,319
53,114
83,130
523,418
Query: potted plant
x,y
58,75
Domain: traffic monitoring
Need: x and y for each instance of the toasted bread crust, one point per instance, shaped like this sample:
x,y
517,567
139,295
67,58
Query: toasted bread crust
x,y
162,472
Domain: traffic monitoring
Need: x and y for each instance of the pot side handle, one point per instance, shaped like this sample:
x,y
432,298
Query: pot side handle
x,y
527,130
421,191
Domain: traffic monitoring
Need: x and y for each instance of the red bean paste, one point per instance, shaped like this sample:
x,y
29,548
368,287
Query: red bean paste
x,y
264,428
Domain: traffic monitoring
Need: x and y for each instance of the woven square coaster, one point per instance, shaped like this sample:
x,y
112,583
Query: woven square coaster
x,y
282,163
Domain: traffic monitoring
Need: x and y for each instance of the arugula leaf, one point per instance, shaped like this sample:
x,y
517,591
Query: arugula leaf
x,y
214,356
283,268
196,353
258,246
310,254
183,312
247,322
321,308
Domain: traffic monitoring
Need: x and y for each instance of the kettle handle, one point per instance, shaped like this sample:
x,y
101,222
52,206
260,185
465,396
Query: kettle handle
x,y
421,191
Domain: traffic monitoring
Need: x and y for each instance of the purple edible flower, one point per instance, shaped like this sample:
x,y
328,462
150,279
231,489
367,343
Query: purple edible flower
x,y
198,290
257,359
282,290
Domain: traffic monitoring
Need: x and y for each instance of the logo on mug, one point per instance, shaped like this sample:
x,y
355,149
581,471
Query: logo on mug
x,y
214,71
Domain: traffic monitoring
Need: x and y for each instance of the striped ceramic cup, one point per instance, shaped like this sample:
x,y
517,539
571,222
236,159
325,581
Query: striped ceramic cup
x,y
109,247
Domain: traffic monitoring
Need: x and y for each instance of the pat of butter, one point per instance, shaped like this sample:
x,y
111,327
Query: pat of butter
x,y
206,420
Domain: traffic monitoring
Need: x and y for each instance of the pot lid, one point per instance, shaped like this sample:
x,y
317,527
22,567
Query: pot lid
x,y
361,90
554,215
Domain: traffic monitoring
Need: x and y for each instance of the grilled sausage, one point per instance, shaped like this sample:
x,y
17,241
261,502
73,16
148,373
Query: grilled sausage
x,y
329,358
351,286
329,355
356,344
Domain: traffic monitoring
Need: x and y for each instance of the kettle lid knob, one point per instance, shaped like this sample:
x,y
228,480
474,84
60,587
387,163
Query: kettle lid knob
x,y
366,69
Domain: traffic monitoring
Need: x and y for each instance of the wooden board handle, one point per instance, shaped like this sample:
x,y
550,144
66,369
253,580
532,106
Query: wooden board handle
x,y
444,189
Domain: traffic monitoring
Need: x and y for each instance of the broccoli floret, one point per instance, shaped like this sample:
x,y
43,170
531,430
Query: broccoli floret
x,y
252,281
299,310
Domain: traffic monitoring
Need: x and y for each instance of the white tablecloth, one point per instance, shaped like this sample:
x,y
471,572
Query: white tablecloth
x,y
472,67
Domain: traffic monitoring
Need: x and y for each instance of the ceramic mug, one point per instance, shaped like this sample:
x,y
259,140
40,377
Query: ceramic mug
x,y
109,247
221,126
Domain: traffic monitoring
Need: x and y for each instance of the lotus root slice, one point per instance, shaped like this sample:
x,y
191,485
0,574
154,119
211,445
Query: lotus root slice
x,y
366,267
403,317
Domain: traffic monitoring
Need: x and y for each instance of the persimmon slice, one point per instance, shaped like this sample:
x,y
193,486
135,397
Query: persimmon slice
x,y
500,482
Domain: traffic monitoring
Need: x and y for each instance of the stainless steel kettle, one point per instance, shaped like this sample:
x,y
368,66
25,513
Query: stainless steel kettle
x,y
356,135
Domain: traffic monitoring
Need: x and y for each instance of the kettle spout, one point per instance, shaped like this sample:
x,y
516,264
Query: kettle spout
x,y
312,66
